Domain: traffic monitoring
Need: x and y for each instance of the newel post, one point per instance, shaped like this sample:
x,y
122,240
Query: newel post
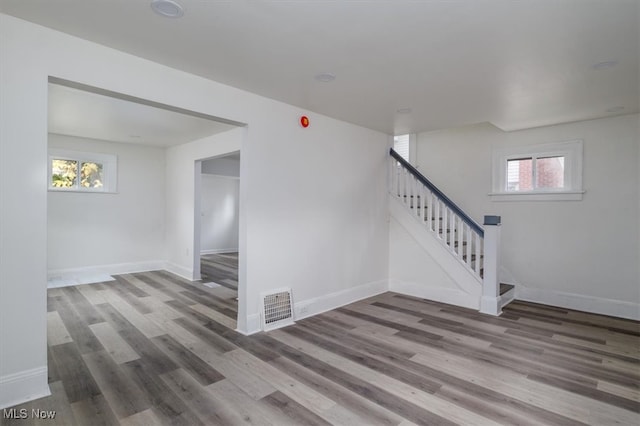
x,y
490,301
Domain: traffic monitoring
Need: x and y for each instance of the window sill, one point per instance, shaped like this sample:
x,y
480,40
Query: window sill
x,y
537,196
77,191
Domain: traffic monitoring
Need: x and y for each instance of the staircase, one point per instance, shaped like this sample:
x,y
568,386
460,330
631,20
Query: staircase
x,y
476,249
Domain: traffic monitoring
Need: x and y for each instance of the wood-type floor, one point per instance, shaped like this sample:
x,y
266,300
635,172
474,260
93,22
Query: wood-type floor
x,y
152,348
220,269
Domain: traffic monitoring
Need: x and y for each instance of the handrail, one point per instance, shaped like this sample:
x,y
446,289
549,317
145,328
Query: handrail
x,y
457,210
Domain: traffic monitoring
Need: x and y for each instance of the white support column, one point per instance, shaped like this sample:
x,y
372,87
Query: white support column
x,y
490,302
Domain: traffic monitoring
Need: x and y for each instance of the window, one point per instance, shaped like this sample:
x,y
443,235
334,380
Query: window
x,y
401,146
542,172
535,173
73,171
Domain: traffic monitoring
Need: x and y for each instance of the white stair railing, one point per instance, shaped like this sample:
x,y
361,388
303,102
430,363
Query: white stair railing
x,y
461,235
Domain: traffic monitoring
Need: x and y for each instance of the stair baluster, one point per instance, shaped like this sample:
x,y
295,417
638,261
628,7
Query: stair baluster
x,y
464,238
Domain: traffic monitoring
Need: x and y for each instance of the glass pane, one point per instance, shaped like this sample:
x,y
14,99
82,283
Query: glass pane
x,y
91,175
550,173
520,174
64,173
401,146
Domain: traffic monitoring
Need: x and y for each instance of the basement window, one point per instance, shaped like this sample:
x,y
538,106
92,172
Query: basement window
x,y
74,171
538,173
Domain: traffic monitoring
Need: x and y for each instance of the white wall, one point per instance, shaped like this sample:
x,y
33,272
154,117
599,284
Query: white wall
x,y
315,202
93,229
580,254
223,166
23,220
220,205
420,265
220,220
182,206
318,217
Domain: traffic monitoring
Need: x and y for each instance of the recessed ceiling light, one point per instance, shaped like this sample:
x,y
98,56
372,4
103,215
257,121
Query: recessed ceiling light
x,y
403,110
325,77
604,65
167,8
615,109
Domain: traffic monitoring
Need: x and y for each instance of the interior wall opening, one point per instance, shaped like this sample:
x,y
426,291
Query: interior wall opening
x,y
96,236
217,224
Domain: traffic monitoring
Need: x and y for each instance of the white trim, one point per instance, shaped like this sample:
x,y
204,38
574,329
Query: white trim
x,y
98,273
23,386
79,191
253,325
537,196
318,305
490,300
579,302
180,271
220,176
490,305
219,251
450,296
115,268
507,297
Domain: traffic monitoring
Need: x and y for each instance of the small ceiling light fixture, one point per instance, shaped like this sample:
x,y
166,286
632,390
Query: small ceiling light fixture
x,y
403,110
604,65
615,109
167,8
325,77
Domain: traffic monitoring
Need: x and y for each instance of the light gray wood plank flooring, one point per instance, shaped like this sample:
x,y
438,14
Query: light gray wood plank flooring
x,y
221,269
151,348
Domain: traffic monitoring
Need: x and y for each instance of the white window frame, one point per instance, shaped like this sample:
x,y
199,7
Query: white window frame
x,y
572,190
411,147
109,170
406,142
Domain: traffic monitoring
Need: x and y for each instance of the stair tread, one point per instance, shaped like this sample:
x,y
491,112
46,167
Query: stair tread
x,y
504,288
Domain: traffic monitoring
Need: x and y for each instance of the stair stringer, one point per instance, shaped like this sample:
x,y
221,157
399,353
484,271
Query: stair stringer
x,y
466,290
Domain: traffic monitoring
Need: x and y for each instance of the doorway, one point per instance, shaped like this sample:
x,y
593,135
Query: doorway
x,y
217,225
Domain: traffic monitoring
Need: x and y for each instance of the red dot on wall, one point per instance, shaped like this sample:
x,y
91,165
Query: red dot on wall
x,y
304,121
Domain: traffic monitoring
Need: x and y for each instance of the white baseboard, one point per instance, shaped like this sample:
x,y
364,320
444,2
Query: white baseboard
x,y
490,305
253,325
437,294
99,273
181,271
318,305
24,386
219,251
579,302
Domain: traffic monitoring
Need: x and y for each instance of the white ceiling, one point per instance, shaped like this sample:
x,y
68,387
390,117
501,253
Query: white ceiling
x,y
516,64
90,115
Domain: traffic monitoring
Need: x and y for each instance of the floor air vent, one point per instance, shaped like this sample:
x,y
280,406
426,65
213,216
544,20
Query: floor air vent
x,y
277,309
